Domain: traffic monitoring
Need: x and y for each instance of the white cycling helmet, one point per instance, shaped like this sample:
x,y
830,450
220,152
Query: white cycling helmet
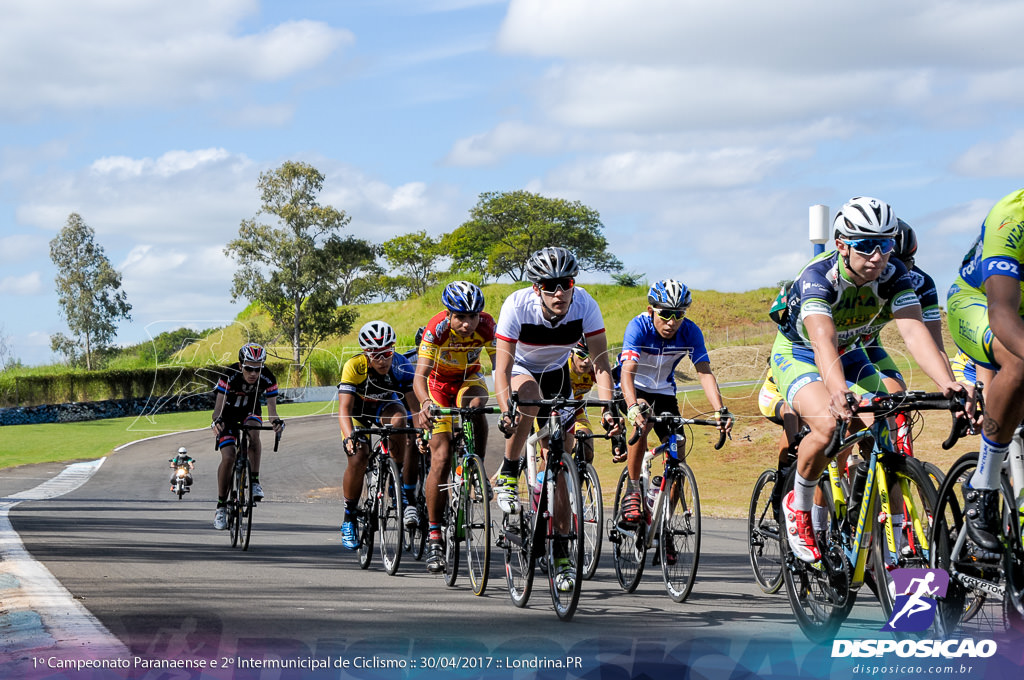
x,y
549,263
375,335
866,217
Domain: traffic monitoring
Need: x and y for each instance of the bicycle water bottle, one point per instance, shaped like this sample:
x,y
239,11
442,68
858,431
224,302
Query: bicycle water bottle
x,y
458,475
537,488
652,495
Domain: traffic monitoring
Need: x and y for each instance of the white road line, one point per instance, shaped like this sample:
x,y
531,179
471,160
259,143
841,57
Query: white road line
x,y
38,614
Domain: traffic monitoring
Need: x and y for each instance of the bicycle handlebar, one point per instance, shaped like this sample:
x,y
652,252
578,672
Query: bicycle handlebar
x,y
385,431
676,423
514,402
277,437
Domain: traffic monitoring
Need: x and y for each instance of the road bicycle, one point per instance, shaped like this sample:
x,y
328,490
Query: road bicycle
x,y
985,595
547,516
240,504
467,515
379,509
416,536
822,594
671,523
590,488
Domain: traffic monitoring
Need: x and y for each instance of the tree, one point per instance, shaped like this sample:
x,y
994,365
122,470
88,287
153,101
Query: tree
x,y
7,358
415,256
292,269
88,291
506,227
357,270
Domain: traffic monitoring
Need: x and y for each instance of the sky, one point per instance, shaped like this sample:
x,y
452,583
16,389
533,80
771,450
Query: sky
x,y
701,132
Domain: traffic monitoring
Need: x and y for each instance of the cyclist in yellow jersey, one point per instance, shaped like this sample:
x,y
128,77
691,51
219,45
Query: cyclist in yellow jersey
x,y
448,373
986,321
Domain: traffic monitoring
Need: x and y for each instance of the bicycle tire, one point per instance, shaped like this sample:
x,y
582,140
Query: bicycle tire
x,y
629,546
815,606
477,514
390,526
451,541
913,541
968,610
763,533
366,513
593,520
566,479
248,507
234,512
680,533
517,542
417,536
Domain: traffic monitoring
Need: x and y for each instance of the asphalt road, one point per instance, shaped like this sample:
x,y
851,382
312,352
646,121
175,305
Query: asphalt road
x,y
153,570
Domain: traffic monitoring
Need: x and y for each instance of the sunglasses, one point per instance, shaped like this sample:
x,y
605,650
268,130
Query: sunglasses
x,y
581,354
382,354
671,314
552,286
867,246
251,369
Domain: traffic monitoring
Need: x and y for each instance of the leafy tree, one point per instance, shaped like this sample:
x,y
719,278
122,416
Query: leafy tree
x,y
88,291
506,227
7,358
292,269
415,256
357,270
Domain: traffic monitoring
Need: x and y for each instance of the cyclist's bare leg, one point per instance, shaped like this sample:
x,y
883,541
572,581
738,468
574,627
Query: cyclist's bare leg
x,y
440,462
476,397
588,444
528,390
224,470
352,480
636,450
1004,395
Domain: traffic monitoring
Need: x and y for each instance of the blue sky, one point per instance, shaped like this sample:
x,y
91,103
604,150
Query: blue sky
x,y
701,132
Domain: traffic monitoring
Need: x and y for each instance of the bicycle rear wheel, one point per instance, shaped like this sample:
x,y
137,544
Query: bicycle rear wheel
x,y
566,538
477,514
818,607
390,515
416,537
763,533
366,514
247,507
451,540
593,519
234,510
629,546
517,541
973,605
916,502
679,544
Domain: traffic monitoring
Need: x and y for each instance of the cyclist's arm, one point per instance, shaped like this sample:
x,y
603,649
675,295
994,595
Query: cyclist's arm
x,y
821,332
419,386
346,401
627,383
272,409
506,352
218,410
709,384
935,329
922,347
1003,293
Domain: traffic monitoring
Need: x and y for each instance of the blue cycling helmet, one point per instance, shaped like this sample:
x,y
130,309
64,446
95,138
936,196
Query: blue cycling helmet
x,y
463,297
669,294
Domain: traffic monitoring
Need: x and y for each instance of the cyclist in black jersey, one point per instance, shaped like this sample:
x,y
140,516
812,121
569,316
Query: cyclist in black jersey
x,y
238,401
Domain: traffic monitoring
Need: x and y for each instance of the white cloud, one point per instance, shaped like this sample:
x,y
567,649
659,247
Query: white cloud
x,y
77,56
993,159
29,284
505,138
962,219
23,247
669,170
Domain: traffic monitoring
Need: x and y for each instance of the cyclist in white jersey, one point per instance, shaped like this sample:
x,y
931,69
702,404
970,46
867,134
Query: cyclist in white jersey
x,y
537,329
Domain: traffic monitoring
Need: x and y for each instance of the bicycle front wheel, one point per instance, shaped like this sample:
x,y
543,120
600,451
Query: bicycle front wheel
x,y
234,508
818,606
366,515
679,544
593,519
565,540
517,541
416,537
247,507
390,515
477,518
763,532
629,548
915,502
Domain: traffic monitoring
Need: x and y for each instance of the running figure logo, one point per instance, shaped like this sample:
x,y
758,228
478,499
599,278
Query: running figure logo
x,y
916,590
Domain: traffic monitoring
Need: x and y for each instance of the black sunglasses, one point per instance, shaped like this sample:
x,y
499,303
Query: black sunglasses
x,y
671,314
251,369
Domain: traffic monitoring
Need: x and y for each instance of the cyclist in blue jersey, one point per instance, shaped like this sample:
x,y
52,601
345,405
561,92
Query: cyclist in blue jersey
x,y
654,344
817,360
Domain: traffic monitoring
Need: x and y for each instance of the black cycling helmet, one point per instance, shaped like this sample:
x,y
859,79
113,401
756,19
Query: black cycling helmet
x,y
906,242
581,348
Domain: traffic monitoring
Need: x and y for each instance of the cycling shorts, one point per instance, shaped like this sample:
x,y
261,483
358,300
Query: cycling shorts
x,y
963,368
659,404
793,368
967,317
369,413
769,400
556,383
231,433
447,394
883,362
